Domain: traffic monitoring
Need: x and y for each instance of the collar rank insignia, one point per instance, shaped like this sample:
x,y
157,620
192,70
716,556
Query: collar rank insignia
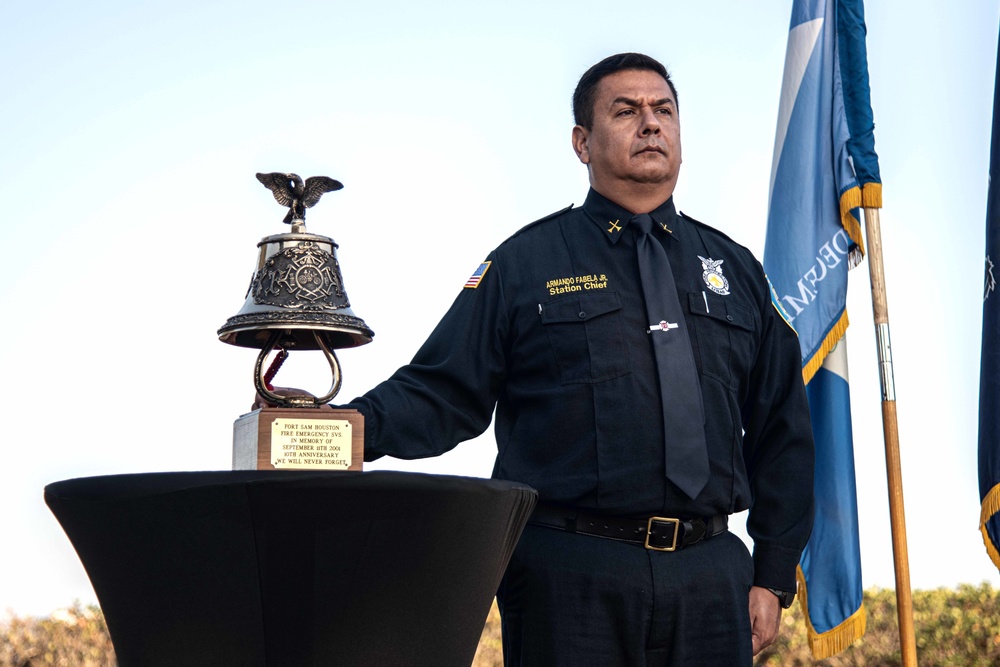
x,y
712,275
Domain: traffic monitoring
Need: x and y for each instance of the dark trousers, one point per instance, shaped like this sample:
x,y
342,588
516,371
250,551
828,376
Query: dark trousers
x,y
570,599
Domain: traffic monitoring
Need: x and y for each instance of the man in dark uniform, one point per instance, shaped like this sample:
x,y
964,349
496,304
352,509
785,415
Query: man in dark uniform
x,y
620,565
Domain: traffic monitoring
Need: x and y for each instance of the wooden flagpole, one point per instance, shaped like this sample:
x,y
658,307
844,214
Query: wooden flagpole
x,y
904,601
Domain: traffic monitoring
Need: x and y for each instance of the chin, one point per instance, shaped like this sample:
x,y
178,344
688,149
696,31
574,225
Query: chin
x,y
653,177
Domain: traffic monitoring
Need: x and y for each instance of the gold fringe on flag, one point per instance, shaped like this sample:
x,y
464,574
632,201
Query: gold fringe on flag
x,y
871,195
832,338
833,641
991,505
850,200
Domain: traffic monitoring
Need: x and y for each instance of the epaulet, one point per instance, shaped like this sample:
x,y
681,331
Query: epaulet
x,y
713,230
550,216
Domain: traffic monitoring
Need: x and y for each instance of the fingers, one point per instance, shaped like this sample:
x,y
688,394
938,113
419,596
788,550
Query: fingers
x,y
761,642
262,402
765,618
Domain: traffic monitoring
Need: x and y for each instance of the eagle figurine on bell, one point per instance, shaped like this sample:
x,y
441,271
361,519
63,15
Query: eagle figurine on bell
x,y
296,299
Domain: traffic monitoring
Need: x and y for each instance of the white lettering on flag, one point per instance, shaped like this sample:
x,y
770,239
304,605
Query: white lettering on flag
x,y
829,256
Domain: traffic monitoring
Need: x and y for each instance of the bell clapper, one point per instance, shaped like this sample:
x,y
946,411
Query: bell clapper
x,y
262,379
272,370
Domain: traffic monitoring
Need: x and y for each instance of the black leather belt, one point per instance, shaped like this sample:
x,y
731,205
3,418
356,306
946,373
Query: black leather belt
x,y
657,532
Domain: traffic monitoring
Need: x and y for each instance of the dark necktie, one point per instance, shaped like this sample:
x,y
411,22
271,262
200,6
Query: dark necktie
x,y
680,389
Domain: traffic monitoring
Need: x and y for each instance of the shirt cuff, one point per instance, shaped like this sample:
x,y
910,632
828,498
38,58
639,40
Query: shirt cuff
x,y
774,567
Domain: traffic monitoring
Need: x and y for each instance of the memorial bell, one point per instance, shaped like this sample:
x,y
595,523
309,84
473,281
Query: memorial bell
x,y
296,299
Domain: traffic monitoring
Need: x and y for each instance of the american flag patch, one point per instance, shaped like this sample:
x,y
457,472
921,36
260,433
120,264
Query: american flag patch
x,y
477,275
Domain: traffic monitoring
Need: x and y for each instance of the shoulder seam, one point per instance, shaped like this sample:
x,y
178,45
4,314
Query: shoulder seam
x,y
550,216
716,231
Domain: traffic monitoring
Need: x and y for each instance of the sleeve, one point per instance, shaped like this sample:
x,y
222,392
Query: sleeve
x,y
779,455
447,394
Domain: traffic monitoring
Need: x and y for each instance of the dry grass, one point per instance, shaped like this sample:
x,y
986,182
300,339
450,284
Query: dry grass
x,y
73,637
954,628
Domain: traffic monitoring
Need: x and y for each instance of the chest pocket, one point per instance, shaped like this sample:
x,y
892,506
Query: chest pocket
x,y
726,334
585,334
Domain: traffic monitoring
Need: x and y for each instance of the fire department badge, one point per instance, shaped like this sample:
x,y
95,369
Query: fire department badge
x,y
713,275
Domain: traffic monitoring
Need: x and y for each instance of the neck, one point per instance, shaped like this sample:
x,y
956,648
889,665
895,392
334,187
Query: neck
x,y
635,197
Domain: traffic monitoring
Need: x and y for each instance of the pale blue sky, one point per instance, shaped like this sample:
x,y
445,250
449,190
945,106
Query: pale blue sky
x,y
131,133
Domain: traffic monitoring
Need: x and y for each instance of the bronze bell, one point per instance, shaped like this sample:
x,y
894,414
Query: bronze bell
x,y
296,299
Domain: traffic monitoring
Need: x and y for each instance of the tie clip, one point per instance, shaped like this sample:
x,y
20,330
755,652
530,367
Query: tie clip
x,y
662,326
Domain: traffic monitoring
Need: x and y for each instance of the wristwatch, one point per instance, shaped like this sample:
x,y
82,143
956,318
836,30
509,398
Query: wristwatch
x,y
784,597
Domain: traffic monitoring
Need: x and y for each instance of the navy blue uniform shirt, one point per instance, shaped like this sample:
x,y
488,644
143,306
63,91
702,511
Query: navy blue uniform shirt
x,y
554,337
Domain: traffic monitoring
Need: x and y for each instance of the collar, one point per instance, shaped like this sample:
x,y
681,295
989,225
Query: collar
x,y
612,219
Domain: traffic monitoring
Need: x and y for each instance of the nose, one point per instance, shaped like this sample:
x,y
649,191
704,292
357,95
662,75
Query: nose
x,y
649,124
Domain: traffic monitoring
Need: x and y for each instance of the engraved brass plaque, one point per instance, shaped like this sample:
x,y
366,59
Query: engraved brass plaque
x,y
311,444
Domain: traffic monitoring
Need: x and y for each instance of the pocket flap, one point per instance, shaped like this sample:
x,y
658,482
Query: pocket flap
x,y
723,310
580,307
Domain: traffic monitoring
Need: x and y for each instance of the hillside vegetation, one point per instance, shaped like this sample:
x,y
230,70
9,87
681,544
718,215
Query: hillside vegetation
x,y
954,628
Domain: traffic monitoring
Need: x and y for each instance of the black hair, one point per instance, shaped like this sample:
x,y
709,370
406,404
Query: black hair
x,y
585,94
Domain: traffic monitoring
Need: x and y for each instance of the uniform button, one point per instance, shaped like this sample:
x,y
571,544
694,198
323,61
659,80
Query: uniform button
x,y
583,315
729,317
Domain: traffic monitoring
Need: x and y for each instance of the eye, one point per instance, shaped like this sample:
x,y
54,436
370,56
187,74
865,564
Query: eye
x,y
665,111
626,112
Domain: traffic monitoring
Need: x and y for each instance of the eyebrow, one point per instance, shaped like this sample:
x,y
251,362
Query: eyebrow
x,y
628,101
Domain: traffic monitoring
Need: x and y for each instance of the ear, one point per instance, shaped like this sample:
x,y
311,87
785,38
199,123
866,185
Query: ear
x,y
580,138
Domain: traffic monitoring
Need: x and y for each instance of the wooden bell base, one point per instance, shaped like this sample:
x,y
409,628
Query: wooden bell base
x,y
299,439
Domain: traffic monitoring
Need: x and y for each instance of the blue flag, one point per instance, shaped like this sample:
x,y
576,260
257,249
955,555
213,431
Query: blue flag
x,y
989,373
824,169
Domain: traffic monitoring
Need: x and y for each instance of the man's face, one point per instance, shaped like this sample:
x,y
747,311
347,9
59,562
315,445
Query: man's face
x,y
636,133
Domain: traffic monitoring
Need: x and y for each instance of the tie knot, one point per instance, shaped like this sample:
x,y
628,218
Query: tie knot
x,y
643,223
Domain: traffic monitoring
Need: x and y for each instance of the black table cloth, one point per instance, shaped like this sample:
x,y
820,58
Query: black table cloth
x,y
293,568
